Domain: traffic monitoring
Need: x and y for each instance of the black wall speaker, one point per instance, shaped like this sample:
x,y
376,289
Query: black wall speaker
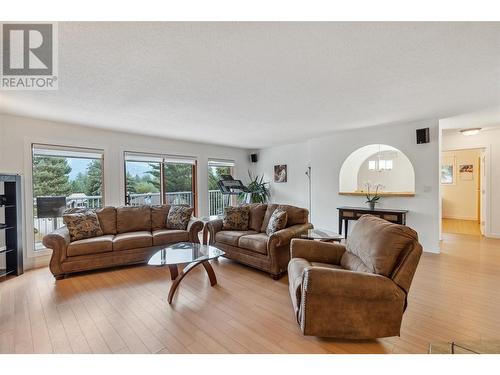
x,y
254,158
423,136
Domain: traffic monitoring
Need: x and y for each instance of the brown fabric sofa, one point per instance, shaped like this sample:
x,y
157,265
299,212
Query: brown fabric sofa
x,y
254,247
132,234
357,291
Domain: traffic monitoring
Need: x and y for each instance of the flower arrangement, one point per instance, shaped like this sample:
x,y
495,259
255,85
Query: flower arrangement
x,y
372,197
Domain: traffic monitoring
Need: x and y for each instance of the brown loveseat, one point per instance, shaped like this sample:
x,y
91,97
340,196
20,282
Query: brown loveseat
x,y
132,234
253,247
357,291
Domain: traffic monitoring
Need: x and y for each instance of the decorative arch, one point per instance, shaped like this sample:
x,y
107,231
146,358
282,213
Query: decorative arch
x,y
400,180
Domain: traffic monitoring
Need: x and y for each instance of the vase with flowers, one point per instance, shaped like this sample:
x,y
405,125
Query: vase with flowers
x,y
372,194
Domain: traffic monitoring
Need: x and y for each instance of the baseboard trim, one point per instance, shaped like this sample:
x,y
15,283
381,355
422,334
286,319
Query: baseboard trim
x,y
493,235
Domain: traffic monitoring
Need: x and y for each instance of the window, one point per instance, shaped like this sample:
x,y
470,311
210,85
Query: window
x,y
380,165
216,201
63,177
158,179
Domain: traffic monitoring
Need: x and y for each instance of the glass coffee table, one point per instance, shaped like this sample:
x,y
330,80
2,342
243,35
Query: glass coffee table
x,y
188,253
321,235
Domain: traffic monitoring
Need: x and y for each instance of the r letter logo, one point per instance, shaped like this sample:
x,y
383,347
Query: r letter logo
x,y
29,56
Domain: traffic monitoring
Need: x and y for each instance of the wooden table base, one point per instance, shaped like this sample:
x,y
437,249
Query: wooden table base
x,y
177,277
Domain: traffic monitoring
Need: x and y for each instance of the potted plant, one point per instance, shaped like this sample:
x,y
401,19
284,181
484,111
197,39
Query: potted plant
x,y
372,197
258,190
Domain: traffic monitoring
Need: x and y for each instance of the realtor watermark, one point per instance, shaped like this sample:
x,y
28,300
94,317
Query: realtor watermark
x,y
29,58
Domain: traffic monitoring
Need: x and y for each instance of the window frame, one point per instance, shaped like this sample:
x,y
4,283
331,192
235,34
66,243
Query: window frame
x,y
29,189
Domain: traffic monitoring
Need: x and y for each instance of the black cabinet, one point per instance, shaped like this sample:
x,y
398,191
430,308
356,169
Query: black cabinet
x,y
11,243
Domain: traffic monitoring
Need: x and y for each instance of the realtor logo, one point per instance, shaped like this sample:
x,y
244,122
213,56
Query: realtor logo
x,y
29,56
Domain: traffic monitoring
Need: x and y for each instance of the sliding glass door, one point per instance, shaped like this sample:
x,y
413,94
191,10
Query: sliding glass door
x,y
143,180
180,182
216,201
155,179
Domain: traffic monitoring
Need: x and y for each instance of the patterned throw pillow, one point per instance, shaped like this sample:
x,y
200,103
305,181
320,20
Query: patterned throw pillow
x,y
277,221
178,217
236,218
82,225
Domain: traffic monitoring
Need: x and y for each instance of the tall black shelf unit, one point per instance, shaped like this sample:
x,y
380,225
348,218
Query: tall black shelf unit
x,y
11,244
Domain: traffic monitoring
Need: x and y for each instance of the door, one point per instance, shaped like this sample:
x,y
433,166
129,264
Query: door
x,y
482,191
180,182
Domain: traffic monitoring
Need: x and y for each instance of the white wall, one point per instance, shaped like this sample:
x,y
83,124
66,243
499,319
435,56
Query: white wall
x,y
295,156
490,139
460,199
326,155
18,133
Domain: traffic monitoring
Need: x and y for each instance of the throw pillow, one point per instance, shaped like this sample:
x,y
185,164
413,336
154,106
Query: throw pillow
x,y
82,225
178,217
236,218
277,221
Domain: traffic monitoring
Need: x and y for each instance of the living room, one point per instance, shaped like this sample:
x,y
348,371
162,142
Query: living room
x,y
195,187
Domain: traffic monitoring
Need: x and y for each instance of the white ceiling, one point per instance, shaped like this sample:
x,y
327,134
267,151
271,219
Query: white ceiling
x,y
258,84
486,118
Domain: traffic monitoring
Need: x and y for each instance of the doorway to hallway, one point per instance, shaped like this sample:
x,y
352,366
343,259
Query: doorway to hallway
x,y
463,193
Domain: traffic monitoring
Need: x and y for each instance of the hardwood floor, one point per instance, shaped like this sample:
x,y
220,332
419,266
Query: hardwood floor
x,y
461,226
455,296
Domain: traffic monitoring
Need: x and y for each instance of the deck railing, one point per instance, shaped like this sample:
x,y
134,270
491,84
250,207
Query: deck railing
x,y
43,226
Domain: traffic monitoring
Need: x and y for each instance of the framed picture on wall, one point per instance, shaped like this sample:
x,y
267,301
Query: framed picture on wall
x,y
466,172
447,171
280,173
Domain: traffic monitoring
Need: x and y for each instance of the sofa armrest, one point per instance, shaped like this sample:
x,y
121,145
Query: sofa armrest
x,y
317,251
195,226
58,241
324,281
284,236
214,226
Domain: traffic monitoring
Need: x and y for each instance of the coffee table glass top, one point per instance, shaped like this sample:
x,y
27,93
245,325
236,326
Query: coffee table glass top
x,y
184,252
321,234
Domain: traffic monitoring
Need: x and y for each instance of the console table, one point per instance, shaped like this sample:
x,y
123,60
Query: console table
x,y
347,213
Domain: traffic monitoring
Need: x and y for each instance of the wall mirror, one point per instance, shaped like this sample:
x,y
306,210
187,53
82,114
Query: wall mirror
x,y
377,164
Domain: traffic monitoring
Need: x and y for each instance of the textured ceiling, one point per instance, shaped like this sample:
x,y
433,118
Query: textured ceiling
x,y
258,84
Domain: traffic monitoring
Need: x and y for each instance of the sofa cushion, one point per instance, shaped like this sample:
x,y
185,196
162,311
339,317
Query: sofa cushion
x,y
269,211
231,237
133,219
166,236
94,245
277,221
256,216
159,215
132,240
82,225
254,242
378,244
107,219
178,217
236,218
296,215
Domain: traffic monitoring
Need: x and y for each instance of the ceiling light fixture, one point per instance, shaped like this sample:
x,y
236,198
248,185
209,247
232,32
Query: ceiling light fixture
x,y
472,131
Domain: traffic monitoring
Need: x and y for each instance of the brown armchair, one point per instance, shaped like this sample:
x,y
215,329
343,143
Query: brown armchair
x,y
357,291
